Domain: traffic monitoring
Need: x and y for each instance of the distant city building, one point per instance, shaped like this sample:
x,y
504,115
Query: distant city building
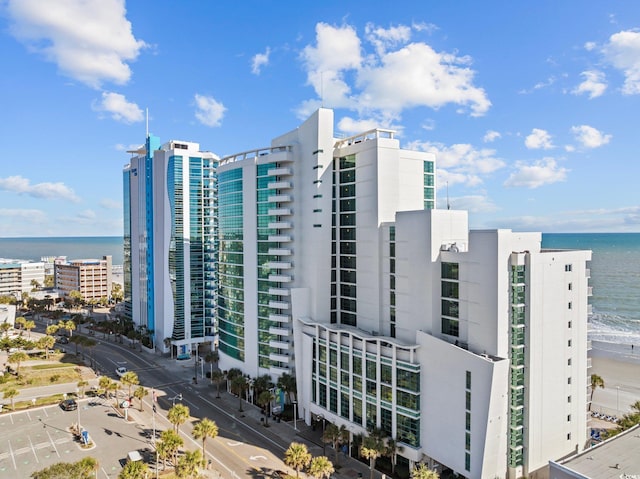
x,y
17,276
469,348
169,243
91,277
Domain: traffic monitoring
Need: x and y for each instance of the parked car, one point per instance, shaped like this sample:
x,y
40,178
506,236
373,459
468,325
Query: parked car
x,y
63,340
69,405
120,371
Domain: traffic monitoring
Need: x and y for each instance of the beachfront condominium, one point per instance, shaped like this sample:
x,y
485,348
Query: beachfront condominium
x,y
90,277
20,276
468,348
169,244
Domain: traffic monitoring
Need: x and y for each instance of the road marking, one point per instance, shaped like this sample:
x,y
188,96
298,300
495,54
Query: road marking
x,y
255,458
53,444
234,444
13,459
34,450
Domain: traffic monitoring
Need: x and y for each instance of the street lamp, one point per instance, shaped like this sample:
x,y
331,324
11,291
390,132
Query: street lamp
x,y
324,444
295,415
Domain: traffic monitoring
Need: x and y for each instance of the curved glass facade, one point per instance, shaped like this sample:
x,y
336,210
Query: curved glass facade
x,y
230,265
176,245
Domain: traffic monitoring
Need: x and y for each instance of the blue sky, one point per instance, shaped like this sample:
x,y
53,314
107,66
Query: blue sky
x,y
530,107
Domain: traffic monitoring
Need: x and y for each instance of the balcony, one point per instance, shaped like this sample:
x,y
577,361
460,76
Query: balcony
x,y
281,358
279,239
284,171
280,212
280,225
278,305
280,278
278,292
279,251
279,199
279,331
279,185
278,344
278,265
279,318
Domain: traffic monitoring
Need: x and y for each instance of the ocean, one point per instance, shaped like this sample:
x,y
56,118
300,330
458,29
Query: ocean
x,y
615,272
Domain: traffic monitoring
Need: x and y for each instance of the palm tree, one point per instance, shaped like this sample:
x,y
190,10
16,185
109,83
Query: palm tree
x,y
391,450
29,325
4,328
139,394
20,320
287,383
46,343
321,467
11,394
372,448
88,465
297,457
81,385
423,472
596,382
89,343
264,401
204,429
17,358
217,377
134,470
52,329
77,340
262,383
177,415
130,379
189,464
238,387
336,436
168,445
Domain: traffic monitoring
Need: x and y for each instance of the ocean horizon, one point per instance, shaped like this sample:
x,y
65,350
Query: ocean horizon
x,y
615,271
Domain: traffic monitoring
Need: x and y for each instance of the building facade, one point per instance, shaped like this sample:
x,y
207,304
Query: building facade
x,y
90,277
17,276
170,246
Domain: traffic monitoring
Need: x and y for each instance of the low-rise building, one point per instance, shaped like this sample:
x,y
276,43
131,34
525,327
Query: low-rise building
x,y
91,277
17,276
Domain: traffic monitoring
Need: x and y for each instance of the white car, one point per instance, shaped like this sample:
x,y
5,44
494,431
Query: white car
x,y
120,371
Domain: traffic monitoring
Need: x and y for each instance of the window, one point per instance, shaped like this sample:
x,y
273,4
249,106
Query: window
x,y
568,398
570,286
569,437
569,325
567,268
467,461
569,343
569,305
569,362
449,271
569,380
450,327
468,379
569,418
467,420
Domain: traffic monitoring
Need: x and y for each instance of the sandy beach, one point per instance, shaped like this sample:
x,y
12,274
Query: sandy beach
x,y
619,366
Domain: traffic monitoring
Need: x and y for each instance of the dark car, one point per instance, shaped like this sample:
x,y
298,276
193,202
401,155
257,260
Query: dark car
x,y
63,340
69,405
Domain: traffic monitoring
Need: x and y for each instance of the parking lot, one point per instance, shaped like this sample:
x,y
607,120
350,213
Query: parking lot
x,y
34,439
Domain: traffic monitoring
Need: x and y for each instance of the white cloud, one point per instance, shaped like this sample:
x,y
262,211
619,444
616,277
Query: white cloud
x,y
259,60
133,147
461,163
110,204
351,126
470,203
539,173
623,52
119,108
20,185
17,213
209,112
87,215
89,40
589,46
538,139
594,84
491,136
590,137
395,77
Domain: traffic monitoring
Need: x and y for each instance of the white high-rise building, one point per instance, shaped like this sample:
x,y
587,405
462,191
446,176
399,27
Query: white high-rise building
x,y
468,348
169,243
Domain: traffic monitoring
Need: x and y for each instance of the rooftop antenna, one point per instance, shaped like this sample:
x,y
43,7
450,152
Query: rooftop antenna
x,y
448,205
147,120
322,89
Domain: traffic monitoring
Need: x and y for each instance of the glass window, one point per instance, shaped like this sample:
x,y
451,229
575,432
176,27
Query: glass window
x,y
449,289
450,327
450,308
468,379
449,271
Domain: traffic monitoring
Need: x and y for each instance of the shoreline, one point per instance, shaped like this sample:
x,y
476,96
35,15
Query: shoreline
x,y
619,367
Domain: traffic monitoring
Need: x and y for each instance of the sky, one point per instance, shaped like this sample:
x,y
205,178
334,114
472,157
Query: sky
x,y
531,108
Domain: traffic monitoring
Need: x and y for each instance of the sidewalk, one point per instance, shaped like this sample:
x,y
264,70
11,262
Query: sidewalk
x,y
347,467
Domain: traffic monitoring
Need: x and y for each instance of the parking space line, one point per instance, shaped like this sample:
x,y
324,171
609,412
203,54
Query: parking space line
x,y
34,450
13,459
53,444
